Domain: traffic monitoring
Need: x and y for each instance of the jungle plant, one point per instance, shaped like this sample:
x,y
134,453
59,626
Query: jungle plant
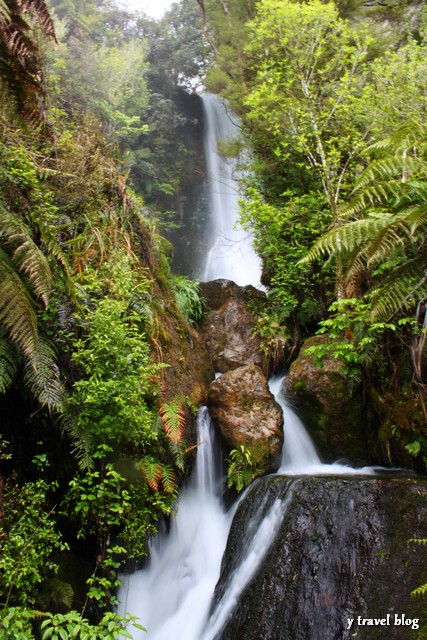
x,y
115,401
355,339
388,236
242,468
29,257
21,72
187,297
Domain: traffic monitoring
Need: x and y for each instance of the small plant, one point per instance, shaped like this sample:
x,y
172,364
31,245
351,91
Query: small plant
x,y
187,298
242,468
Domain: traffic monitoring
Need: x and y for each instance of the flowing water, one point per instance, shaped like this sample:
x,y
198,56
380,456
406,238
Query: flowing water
x,y
172,595
231,254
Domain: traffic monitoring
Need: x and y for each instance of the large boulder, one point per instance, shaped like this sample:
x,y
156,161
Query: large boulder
x,y
216,292
246,413
306,555
230,338
330,407
229,326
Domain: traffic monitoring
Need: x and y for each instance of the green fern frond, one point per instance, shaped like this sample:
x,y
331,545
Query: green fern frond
x,y
401,289
153,471
348,237
26,254
168,479
420,591
173,419
17,313
177,452
8,363
41,375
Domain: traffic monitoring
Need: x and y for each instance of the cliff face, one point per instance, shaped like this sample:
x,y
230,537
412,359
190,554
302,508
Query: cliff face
x,y
339,551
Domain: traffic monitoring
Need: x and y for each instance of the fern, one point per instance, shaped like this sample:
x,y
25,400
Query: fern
x,y
8,363
153,471
420,591
173,419
392,198
168,479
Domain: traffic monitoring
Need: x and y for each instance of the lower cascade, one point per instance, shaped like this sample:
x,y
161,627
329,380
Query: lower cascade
x,y
312,552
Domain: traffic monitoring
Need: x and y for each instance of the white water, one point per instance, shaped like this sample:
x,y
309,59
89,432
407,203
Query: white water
x,y
299,456
231,255
172,595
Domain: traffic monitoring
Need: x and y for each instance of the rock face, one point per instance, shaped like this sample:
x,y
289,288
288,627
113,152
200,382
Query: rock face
x,y
331,412
228,328
230,340
216,292
339,550
246,413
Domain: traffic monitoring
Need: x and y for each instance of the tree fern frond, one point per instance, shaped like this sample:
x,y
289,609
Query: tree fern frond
x,y
41,375
16,308
410,134
385,242
168,479
82,444
8,363
348,237
152,470
27,255
172,416
402,288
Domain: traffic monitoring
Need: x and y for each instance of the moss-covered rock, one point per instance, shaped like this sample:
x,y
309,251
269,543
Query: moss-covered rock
x,y
330,407
339,550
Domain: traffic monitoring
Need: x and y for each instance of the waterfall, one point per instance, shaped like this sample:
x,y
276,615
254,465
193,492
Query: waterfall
x,y
172,595
299,455
231,254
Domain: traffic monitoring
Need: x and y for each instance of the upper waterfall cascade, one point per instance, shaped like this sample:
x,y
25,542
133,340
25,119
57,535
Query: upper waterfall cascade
x,y
231,254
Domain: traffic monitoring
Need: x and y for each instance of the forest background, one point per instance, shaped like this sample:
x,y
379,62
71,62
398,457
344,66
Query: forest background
x,y
101,139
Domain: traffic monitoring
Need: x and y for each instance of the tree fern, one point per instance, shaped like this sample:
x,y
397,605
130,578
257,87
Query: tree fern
x,y
172,416
20,65
391,194
8,363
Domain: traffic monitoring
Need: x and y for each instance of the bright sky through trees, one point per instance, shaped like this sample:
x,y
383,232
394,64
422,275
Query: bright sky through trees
x,y
154,8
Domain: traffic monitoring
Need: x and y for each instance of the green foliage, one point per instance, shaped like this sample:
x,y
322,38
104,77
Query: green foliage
x,y
19,623
113,403
242,468
187,297
282,234
28,538
355,340
389,237
29,257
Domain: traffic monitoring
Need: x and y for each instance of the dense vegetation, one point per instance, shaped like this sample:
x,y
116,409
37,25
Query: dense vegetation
x,y
333,103
92,446
99,118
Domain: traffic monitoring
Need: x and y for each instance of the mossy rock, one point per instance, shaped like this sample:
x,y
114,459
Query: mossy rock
x,y
331,407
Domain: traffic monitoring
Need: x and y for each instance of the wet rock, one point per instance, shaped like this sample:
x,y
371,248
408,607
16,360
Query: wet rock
x,y
229,327
216,292
330,407
246,413
339,550
230,338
